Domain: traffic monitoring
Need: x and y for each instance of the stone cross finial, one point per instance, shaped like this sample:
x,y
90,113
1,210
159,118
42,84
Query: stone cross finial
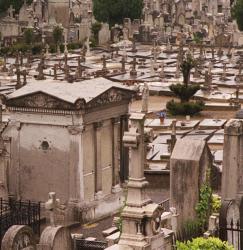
x,y
145,96
11,10
212,48
65,47
17,59
21,58
52,205
55,71
47,49
134,49
24,73
123,62
18,85
104,62
133,72
237,93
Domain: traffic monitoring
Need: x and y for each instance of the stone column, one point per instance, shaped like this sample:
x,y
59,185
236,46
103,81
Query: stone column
x,y
124,158
135,140
15,184
115,169
76,188
97,151
232,177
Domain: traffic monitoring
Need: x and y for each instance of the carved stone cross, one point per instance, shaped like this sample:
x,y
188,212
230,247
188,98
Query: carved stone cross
x,y
11,10
133,71
123,61
52,205
25,73
104,62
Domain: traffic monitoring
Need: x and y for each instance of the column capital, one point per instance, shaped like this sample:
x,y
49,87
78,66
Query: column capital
x,y
76,129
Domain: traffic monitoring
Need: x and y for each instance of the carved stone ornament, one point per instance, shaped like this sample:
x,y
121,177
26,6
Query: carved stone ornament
x,y
44,101
156,220
75,130
111,96
18,237
41,100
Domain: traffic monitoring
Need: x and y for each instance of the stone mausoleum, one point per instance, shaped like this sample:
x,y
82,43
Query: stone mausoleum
x,y
66,138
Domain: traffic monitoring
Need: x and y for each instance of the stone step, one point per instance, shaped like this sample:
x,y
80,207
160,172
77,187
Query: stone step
x,y
109,231
90,239
113,239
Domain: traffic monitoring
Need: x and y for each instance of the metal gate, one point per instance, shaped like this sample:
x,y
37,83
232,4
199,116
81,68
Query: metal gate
x,y
82,244
230,224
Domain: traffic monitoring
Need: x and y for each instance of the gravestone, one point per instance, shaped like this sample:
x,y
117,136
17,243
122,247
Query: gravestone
x,y
55,238
19,237
190,160
104,34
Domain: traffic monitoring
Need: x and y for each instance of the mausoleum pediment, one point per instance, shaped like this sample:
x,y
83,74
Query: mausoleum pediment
x,y
56,95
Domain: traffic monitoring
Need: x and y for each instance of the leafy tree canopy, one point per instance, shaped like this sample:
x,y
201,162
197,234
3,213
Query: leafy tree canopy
x,y
17,4
237,13
114,11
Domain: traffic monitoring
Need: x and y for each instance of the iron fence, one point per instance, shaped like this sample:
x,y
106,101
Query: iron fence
x,y
82,244
14,212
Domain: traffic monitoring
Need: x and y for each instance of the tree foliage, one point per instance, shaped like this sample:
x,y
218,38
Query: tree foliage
x,y
114,11
57,34
17,4
183,92
28,36
237,13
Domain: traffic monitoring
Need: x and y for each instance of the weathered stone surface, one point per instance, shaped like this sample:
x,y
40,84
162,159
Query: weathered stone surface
x,y
189,162
19,237
57,238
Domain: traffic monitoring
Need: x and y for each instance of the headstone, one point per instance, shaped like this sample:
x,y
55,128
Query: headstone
x,y
104,34
55,238
189,163
232,175
19,237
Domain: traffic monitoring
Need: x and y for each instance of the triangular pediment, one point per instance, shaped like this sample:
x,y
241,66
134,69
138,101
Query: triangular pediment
x,y
40,100
111,96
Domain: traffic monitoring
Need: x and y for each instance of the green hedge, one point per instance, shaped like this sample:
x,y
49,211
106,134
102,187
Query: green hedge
x,y
185,108
200,243
184,92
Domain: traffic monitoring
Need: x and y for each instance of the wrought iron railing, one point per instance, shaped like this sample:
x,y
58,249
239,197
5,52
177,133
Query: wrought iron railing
x,y
82,244
14,212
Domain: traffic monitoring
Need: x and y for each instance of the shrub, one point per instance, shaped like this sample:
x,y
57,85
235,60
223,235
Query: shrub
x,y
183,92
185,108
37,48
20,47
28,36
203,207
211,243
57,35
53,48
73,46
216,203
